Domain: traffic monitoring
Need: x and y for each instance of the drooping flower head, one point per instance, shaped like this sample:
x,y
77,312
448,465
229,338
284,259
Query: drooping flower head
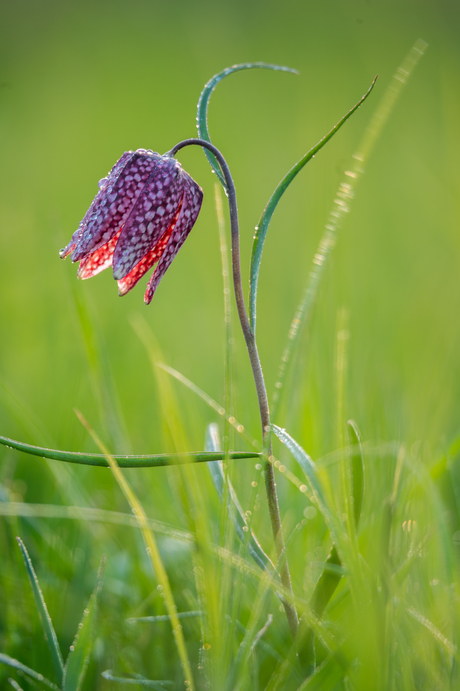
x,y
142,214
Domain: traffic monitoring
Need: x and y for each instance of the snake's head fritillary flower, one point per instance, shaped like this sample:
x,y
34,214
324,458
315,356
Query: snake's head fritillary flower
x,y
142,214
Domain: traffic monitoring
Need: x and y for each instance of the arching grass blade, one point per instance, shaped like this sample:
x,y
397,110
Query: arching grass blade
x,y
148,461
202,111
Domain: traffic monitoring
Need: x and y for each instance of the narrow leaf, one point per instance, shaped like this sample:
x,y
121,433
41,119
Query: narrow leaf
x,y
166,617
307,465
78,657
327,677
357,469
233,505
90,515
202,114
152,551
160,685
15,685
149,461
11,662
262,227
47,624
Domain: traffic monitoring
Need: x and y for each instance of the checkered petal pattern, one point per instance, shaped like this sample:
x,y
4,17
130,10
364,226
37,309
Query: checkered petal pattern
x,y
142,214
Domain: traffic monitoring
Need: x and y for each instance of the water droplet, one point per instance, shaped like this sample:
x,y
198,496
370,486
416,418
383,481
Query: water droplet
x,y
102,183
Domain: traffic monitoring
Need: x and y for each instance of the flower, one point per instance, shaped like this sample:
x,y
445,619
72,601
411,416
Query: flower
x,y
142,214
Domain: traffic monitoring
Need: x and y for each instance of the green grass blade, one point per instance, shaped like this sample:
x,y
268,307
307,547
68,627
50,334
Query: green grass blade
x,y
202,111
90,515
45,618
148,461
262,226
234,508
327,677
78,657
15,685
138,680
308,467
152,551
166,617
357,469
11,662
211,403
340,208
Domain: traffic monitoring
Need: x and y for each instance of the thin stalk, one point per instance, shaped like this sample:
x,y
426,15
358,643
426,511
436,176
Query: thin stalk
x,y
251,346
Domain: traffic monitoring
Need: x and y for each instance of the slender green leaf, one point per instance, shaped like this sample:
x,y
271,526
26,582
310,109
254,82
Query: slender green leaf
x,y
233,505
307,465
140,681
327,676
166,617
149,461
11,662
152,551
262,226
78,657
357,469
47,624
202,114
15,685
84,513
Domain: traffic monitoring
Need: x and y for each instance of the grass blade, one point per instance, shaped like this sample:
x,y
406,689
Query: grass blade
x,y
138,680
202,111
15,685
357,469
78,658
308,467
234,508
47,624
340,208
11,662
90,515
262,226
152,551
166,617
148,461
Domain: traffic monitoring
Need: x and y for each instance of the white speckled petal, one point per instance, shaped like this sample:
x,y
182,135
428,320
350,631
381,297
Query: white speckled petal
x,y
151,216
114,202
125,284
191,205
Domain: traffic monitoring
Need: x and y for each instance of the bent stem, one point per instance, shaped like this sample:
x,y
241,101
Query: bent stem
x,y
251,346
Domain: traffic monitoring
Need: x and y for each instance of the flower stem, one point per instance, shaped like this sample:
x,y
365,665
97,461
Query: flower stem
x,y
251,346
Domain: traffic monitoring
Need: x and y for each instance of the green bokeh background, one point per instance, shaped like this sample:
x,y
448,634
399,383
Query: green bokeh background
x,y
81,82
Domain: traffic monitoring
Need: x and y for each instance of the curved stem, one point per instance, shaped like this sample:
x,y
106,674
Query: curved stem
x,y
251,346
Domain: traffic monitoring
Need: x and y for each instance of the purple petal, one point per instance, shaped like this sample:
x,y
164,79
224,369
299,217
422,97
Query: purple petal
x,y
115,201
191,204
96,203
151,216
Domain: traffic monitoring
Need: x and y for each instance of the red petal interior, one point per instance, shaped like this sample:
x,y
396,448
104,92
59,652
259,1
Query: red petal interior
x,y
129,281
98,260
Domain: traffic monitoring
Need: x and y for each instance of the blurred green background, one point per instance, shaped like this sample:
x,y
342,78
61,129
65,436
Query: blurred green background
x,y
81,82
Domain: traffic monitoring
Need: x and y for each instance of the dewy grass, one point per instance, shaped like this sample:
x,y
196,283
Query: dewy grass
x,y
373,572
